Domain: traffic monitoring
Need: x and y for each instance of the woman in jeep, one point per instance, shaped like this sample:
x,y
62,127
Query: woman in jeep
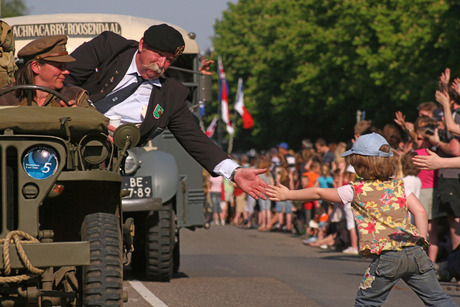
x,y
45,65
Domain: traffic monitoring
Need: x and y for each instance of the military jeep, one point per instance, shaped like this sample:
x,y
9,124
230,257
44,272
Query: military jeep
x,y
62,236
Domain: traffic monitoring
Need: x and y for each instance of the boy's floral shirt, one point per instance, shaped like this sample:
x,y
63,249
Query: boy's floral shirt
x,y
382,217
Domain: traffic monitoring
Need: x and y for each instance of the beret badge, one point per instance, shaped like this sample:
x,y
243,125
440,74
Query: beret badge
x,y
179,51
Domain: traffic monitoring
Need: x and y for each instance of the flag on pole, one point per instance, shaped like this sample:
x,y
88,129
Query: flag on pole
x,y
223,97
212,127
202,110
248,121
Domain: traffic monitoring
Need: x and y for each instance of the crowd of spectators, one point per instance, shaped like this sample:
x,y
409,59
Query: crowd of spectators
x,y
321,224
330,226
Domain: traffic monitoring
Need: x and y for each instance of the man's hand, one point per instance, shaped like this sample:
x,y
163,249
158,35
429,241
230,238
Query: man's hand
x,y
406,126
444,79
430,162
401,121
277,193
456,85
249,181
443,99
111,131
205,65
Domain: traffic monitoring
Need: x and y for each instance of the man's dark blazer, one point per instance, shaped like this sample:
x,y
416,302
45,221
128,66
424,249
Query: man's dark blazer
x,y
102,63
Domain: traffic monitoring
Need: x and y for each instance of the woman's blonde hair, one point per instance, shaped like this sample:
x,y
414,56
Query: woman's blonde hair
x,y
375,168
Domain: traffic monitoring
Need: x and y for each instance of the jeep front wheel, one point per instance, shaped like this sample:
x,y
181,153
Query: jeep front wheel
x,y
102,280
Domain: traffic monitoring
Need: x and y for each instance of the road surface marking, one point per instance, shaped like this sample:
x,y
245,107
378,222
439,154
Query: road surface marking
x,y
148,296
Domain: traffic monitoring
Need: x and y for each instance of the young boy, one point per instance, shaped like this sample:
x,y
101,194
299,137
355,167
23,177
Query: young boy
x,y
380,206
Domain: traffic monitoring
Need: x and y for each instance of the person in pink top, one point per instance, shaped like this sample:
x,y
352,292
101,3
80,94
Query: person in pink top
x,y
215,191
429,183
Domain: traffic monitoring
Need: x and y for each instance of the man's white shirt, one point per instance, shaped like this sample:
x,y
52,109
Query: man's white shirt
x,y
133,109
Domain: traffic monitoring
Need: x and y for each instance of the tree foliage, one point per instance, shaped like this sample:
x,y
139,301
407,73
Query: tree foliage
x,y
12,8
308,65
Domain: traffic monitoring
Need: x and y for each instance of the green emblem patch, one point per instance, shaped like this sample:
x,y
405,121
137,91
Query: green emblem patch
x,y
158,111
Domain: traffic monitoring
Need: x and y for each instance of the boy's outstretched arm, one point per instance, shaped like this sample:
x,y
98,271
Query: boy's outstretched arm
x,y
280,193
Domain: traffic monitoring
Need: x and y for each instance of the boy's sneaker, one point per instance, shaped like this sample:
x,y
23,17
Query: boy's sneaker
x,y
351,251
309,240
324,246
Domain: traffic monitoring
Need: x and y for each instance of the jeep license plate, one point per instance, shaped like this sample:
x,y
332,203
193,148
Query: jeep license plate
x,y
138,187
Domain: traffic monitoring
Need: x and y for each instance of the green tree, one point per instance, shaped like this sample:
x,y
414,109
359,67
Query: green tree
x,y
12,8
309,65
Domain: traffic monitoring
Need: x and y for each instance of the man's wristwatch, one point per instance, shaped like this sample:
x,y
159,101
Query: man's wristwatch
x,y
232,176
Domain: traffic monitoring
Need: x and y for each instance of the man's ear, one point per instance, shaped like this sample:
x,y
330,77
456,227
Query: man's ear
x,y
35,67
141,45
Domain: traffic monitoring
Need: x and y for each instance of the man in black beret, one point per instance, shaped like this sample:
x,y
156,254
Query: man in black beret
x,y
125,78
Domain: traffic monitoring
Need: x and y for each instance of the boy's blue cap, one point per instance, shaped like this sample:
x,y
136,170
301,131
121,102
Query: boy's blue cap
x,y
369,145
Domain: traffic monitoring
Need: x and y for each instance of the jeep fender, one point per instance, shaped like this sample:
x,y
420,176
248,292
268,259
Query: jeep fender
x,y
162,167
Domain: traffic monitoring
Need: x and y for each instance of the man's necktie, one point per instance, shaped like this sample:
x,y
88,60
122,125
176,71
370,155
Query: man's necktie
x,y
104,104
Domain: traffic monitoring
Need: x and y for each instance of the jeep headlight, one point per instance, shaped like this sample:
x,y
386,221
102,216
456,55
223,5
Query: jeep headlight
x,y
131,163
94,148
40,162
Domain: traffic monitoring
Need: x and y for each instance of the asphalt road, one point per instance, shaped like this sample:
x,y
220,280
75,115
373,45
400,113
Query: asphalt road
x,y
231,266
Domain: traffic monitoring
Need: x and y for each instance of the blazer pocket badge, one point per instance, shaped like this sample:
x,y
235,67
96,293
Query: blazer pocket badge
x,y
158,111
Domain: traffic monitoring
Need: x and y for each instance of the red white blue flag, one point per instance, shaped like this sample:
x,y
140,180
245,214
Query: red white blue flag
x,y
248,121
223,97
212,127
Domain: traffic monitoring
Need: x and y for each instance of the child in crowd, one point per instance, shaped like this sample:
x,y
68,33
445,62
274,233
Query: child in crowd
x,y
334,225
325,179
317,226
240,204
352,237
306,212
265,204
284,176
380,205
215,193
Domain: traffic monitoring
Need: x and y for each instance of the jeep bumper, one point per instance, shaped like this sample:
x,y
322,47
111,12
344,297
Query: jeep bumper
x,y
145,204
51,254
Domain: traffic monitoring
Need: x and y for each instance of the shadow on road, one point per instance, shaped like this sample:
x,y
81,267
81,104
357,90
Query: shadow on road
x,y
129,274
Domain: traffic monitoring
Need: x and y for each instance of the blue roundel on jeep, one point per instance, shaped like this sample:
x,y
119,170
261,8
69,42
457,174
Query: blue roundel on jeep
x,y
40,162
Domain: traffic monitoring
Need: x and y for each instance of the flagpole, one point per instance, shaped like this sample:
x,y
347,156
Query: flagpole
x,y
223,97
230,145
219,124
219,111
230,142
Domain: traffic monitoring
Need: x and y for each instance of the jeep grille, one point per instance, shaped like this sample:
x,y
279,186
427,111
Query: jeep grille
x,y
19,210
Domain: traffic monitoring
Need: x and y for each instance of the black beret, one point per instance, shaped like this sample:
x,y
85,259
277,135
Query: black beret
x,y
50,48
165,38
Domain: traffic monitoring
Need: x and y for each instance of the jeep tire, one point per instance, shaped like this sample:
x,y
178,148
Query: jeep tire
x,y
102,280
176,252
159,245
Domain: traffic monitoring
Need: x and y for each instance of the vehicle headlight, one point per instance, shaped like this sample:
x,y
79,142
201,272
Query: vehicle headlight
x,y
40,162
94,148
131,163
